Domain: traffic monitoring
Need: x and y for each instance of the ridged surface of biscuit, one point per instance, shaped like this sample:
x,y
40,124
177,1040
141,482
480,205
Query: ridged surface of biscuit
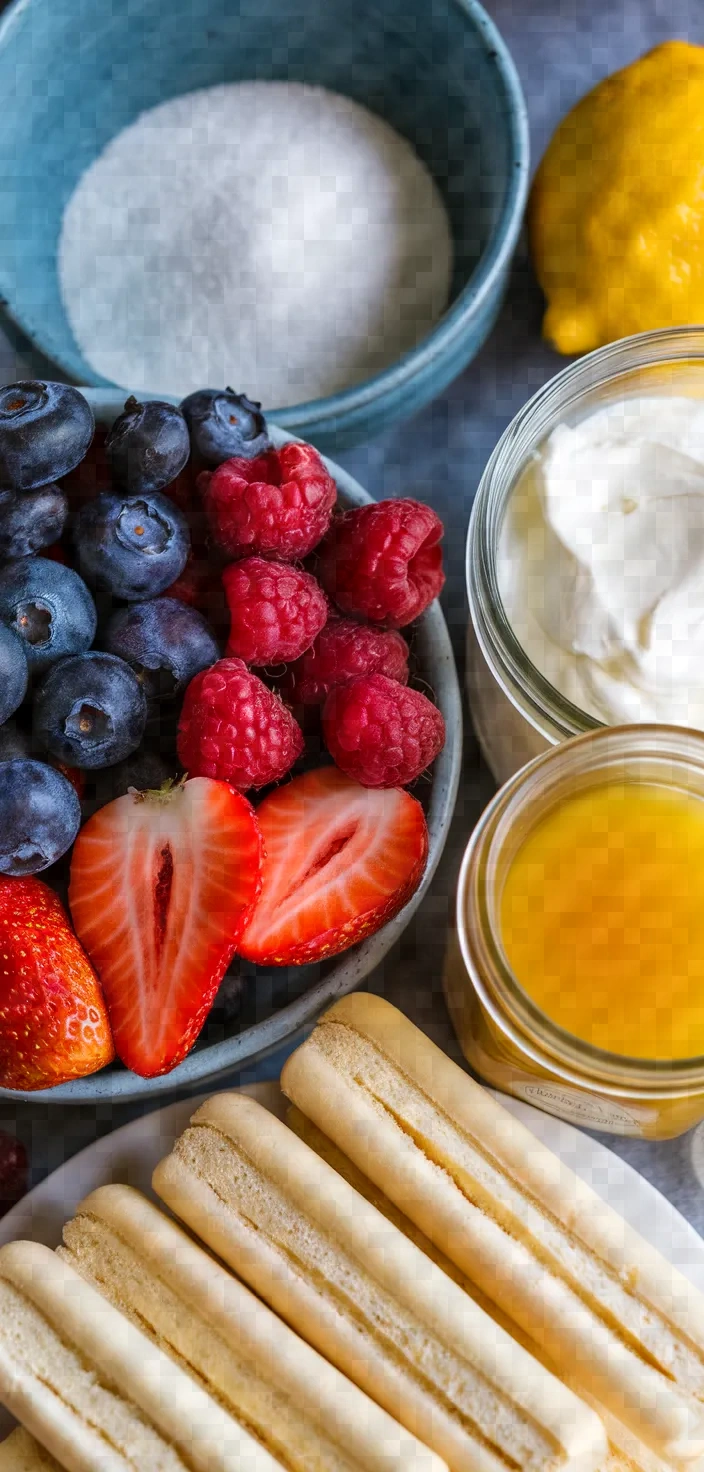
x,y
309,1416
626,1453
554,1257
367,1298
96,1391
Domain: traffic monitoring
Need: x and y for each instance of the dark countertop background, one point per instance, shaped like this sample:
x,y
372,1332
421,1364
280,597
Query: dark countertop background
x,y
561,48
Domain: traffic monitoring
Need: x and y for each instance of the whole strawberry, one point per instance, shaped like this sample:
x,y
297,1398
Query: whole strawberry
x,y
275,610
381,733
278,505
343,650
53,1022
383,562
234,728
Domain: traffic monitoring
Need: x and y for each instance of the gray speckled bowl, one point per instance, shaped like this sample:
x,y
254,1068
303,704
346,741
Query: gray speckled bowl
x,y
276,1003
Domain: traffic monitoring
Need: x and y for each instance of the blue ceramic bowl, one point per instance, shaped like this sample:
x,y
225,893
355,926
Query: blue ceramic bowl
x,y
73,73
276,1004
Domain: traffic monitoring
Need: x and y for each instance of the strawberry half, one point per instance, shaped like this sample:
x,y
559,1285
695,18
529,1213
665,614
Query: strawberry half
x,y
53,1021
340,860
162,885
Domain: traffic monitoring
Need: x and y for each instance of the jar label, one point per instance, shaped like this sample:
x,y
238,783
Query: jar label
x,y
577,1108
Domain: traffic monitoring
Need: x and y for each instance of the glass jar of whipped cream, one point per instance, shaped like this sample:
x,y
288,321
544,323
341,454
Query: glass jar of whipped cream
x,y
585,554
577,980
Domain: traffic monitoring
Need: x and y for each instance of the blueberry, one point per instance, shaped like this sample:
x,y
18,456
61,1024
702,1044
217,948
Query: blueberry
x,y
224,424
45,430
90,711
14,742
166,643
131,546
147,447
50,608
143,770
39,816
13,672
30,520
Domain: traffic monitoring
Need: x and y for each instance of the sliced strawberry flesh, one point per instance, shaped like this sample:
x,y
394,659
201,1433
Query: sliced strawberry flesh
x,y
162,886
340,860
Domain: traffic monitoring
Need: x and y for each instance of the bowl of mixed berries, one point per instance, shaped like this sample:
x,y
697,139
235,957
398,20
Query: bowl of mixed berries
x,y
229,736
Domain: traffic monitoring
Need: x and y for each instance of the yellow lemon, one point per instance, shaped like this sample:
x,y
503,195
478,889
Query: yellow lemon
x,y
616,213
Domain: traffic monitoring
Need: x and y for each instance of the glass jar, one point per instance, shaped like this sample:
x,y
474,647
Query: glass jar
x,y
516,712
505,1037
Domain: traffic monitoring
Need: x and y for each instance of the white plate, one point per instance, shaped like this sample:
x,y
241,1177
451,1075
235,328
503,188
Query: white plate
x,y
130,1154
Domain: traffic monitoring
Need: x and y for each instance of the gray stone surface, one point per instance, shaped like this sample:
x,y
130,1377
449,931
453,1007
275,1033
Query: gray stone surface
x,y
561,48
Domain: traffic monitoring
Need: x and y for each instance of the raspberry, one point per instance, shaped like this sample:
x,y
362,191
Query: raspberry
x,y
192,585
75,775
381,733
200,586
183,491
234,728
384,562
199,582
342,651
278,505
275,610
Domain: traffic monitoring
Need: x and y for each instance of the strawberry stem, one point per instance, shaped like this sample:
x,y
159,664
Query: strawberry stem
x,y
165,793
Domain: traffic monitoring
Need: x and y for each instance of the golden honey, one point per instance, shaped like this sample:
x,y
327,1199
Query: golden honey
x,y
602,919
576,978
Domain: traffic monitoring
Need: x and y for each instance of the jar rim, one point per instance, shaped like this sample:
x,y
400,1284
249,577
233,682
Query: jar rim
x,y
532,1032
541,702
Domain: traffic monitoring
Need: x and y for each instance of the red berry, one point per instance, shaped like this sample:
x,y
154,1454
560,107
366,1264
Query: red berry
x,y
91,476
162,886
234,728
192,584
381,733
183,491
275,610
74,775
53,1021
278,505
339,861
343,650
200,586
384,561
13,1171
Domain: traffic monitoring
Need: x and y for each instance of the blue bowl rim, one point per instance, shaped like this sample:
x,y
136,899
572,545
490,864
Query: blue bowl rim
x,y
205,1065
451,326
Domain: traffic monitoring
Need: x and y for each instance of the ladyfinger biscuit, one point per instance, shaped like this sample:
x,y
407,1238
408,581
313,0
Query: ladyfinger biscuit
x,y
21,1453
368,1299
626,1453
558,1261
94,1390
308,1416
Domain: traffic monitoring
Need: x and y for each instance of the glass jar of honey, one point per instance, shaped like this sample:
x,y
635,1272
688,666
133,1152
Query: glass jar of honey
x,y
577,981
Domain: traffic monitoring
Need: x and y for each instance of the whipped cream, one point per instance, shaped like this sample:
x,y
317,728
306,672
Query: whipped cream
x,y
601,561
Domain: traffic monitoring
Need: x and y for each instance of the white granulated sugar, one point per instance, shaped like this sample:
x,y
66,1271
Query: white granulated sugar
x,y
269,235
